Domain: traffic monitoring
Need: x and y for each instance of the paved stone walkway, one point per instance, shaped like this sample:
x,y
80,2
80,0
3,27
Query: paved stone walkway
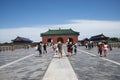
x,y
60,69
31,68
89,66
86,65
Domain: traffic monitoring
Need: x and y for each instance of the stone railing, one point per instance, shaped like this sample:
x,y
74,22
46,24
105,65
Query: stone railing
x,y
13,47
115,44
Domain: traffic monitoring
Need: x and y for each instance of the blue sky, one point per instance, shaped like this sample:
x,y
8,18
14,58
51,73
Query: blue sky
x,y
16,14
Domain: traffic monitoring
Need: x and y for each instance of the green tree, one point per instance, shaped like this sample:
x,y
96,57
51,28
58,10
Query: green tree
x,y
114,39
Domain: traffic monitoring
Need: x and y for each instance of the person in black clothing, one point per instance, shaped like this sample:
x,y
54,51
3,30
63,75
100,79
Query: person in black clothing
x,y
44,48
40,49
69,48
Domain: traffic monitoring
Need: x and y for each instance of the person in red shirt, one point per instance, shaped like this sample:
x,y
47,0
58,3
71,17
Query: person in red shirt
x,y
100,48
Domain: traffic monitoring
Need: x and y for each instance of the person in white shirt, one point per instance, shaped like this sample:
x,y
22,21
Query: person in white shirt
x,y
105,49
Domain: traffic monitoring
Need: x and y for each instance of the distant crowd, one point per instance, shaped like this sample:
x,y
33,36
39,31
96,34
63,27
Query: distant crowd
x,y
71,48
103,47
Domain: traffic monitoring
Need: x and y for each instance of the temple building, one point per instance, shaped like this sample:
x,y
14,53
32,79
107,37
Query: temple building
x,y
63,35
99,37
20,40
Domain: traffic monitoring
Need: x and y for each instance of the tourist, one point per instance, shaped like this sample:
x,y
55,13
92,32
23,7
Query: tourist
x,y
75,49
100,48
105,49
86,45
89,45
69,48
110,47
56,49
59,46
40,49
44,48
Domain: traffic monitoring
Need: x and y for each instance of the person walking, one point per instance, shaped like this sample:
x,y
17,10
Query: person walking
x,y
69,48
75,49
40,49
59,46
86,45
44,48
105,49
56,49
110,47
100,48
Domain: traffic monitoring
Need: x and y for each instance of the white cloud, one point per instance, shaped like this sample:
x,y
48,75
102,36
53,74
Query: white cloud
x,y
32,33
87,28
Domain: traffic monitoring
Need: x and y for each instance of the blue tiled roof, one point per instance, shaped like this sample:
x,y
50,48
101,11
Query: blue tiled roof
x,y
98,37
18,39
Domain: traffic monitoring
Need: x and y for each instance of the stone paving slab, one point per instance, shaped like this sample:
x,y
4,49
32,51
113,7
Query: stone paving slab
x,y
9,56
112,55
32,68
88,67
60,69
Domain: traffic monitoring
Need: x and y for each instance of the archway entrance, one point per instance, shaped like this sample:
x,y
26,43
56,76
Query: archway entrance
x,y
49,40
60,39
70,40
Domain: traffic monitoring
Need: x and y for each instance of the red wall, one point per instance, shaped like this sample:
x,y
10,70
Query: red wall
x,y
54,38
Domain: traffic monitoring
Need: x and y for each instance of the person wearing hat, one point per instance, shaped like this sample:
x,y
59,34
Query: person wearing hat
x,y
100,48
